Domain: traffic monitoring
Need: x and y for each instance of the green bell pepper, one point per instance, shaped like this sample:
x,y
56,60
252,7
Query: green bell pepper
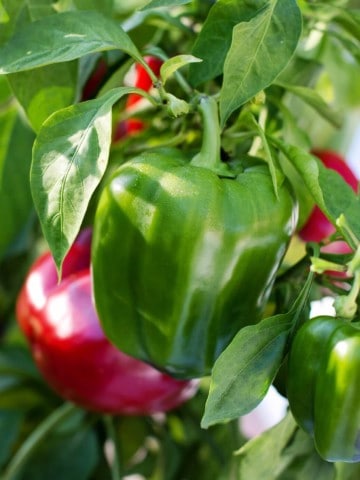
x,y
184,253
323,386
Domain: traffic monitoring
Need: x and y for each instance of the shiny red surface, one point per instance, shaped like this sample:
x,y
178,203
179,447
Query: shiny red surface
x,y
74,356
93,84
318,227
142,80
43,278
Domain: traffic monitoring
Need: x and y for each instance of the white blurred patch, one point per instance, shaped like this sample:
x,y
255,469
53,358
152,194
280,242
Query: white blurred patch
x,y
353,152
325,306
267,414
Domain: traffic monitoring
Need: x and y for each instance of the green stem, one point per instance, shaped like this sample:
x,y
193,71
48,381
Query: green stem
x,y
35,439
354,264
209,155
355,289
347,232
183,84
320,265
115,463
346,305
303,297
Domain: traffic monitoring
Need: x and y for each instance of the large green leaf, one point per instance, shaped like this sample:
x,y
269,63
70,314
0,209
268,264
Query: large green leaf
x,y
63,37
245,370
7,120
72,455
21,387
70,156
4,16
169,67
10,424
10,13
15,159
45,90
330,191
214,39
343,70
283,452
347,471
300,460
260,50
39,8
5,92
315,101
62,446
259,458
349,20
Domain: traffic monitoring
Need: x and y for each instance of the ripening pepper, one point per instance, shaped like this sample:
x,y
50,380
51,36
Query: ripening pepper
x,y
323,386
185,253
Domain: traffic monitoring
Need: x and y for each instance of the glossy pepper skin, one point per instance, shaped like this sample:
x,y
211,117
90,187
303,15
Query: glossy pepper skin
x,y
72,352
186,257
324,384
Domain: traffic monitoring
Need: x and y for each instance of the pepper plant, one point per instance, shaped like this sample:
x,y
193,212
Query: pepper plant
x,y
175,192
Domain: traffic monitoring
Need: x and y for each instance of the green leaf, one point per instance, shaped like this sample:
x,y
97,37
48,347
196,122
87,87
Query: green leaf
x,y
164,3
16,361
39,8
4,16
21,387
71,456
276,174
347,471
15,159
14,11
300,460
10,424
70,156
61,447
105,6
291,129
349,20
259,457
260,50
63,37
45,90
339,60
214,39
245,370
314,100
176,106
283,452
5,92
169,67
330,191
7,120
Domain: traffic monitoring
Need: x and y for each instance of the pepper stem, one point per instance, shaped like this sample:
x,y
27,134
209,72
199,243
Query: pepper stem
x,y
346,305
209,155
347,231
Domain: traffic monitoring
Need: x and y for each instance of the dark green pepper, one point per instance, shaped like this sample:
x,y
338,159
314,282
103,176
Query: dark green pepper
x,y
323,386
184,257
